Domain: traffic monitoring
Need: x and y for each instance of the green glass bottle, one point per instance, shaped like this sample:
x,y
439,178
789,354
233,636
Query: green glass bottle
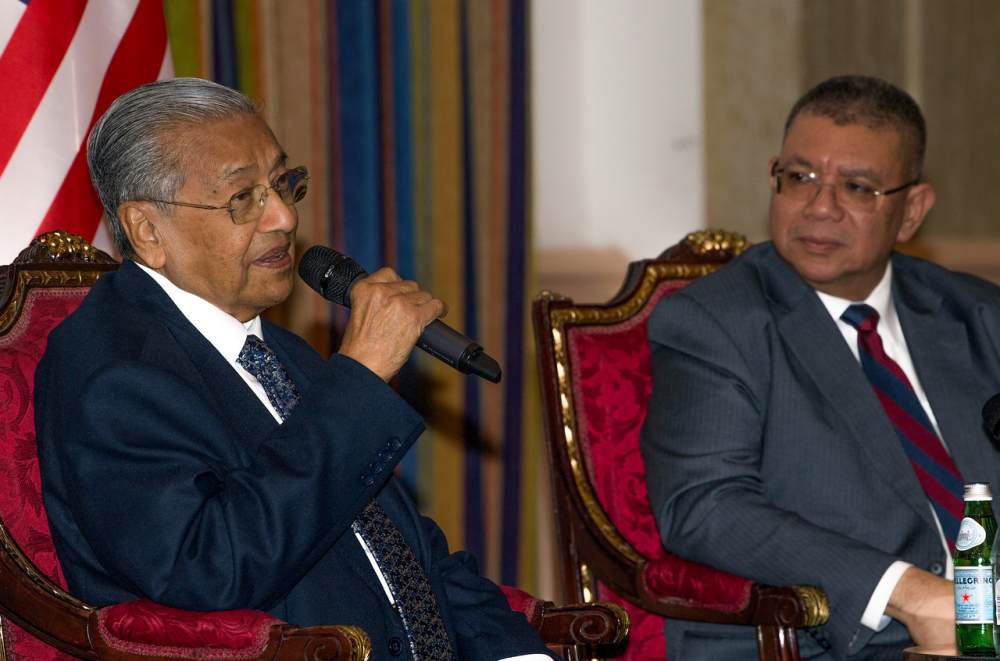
x,y
974,605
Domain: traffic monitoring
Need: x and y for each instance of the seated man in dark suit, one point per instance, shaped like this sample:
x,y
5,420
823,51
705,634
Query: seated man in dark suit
x,y
194,453
769,452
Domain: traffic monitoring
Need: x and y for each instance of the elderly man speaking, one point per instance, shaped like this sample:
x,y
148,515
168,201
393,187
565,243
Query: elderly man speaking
x,y
200,456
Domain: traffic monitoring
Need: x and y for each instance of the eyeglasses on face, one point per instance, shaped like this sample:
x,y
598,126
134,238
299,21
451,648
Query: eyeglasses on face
x,y
802,185
247,205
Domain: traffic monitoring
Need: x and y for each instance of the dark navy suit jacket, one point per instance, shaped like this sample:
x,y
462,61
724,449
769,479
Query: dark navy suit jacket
x,y
768,454
165,477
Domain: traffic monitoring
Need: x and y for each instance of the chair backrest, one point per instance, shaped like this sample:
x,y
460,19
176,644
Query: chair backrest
x,y
595,373
46,282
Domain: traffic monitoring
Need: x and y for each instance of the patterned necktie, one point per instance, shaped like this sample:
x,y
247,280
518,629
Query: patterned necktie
x,y
414,597
935,469
258,359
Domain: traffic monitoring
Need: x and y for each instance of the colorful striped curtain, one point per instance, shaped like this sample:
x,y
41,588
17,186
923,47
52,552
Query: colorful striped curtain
x,y
412,117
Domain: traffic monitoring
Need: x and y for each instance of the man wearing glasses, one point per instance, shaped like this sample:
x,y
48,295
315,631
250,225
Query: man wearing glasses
x,y
816,403
197,455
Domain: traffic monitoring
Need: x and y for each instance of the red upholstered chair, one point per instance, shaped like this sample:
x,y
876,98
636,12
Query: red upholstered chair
x,y
595,374
41,621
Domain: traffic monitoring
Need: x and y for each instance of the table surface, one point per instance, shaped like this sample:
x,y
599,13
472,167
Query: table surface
x,y
939,654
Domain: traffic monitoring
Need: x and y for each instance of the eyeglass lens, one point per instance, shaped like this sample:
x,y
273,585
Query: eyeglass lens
x,y
248,205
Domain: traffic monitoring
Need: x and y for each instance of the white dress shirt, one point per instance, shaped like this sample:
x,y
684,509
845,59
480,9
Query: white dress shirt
x,y
228,335
895,347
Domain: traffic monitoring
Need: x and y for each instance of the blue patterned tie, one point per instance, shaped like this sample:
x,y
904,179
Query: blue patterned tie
x,y
935,469
258,359
414,597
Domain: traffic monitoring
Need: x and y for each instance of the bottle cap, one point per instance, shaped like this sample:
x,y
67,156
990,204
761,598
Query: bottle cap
x,y
977,491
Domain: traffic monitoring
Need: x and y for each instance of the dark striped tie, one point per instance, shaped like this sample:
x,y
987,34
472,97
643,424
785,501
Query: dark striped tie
x,y
934,467
414,597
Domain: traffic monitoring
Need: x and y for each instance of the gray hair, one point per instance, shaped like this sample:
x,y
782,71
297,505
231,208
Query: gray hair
x,y
128,153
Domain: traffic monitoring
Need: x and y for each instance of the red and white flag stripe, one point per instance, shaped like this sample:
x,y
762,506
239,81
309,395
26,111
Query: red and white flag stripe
x,y
62,63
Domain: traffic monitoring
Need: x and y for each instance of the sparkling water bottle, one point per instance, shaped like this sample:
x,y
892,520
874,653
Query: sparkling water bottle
x,y
975,612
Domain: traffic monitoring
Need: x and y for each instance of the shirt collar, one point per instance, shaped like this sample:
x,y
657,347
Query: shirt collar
x,y
880,299
224,331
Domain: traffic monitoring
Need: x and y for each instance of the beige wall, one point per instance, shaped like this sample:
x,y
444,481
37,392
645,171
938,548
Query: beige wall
x,y
753,73
760,55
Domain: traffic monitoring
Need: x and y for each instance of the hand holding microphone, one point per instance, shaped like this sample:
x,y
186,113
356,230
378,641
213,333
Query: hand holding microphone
x,y
388,315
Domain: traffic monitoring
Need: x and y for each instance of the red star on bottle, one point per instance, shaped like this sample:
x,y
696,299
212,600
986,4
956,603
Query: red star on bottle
x,y
965,597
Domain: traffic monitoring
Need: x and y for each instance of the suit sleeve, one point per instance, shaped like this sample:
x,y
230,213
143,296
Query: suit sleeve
x,y
703,442
483,623
485,626
198,522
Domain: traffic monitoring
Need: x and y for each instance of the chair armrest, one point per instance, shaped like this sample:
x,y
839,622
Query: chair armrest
x,y
576,624
142,629
679,588
598,624
796,606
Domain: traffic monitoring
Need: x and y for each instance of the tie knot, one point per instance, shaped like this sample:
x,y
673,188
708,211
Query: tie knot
x,y
863,317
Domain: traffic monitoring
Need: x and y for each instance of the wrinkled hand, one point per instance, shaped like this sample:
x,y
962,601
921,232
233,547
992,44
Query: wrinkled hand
x,y
925,603
387,316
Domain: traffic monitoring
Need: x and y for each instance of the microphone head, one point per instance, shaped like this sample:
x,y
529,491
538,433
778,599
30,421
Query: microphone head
x,y
991,418
330,273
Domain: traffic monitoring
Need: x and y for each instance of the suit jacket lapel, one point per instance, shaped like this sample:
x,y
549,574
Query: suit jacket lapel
x,y
300,370
938,345
812,336
233,399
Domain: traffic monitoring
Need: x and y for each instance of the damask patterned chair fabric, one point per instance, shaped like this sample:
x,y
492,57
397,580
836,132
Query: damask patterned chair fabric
x,y
611,385
21,497
596,380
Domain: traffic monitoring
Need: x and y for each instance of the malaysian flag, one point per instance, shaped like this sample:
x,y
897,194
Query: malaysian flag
x,y
62,63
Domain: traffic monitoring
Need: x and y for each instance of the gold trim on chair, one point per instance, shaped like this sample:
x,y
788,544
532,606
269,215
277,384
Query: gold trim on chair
x,y
3,639
600,315
817,608
62,246
706,241
33,269
587,584
360,642
14,552
29,279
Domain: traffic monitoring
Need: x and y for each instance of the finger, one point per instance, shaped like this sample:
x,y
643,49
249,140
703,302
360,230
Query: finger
x,y
434,309
384,274
419,297
369,290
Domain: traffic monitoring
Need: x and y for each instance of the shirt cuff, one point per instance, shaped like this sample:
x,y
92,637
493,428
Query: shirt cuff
x,y
874,616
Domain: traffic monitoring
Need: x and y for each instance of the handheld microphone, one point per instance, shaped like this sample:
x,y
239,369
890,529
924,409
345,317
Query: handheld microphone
x,y
332,274
991,418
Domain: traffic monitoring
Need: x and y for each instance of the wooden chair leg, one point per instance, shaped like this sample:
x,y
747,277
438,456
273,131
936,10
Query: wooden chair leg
x,y
776,643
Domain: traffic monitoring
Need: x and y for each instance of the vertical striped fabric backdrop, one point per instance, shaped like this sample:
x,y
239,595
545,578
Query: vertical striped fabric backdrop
x,y
412,116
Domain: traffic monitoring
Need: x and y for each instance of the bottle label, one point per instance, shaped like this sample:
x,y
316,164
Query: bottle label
x,y
974,595
970,535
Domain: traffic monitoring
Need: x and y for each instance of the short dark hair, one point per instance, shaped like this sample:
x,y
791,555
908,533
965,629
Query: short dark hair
x,y
870,102
128,151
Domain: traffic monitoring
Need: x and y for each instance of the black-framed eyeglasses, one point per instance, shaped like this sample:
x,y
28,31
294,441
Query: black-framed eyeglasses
x,y
802,185
247,205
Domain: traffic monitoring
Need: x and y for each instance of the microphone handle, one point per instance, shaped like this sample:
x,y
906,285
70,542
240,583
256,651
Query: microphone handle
x,y
443,342
438,338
